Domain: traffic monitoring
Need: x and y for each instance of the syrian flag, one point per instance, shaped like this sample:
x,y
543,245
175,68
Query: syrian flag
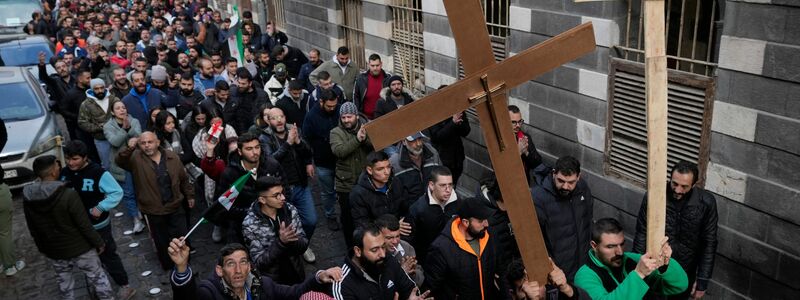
x,y
227,198
235,37
225,201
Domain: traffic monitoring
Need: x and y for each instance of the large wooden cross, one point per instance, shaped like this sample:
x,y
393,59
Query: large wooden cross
x,y
485,89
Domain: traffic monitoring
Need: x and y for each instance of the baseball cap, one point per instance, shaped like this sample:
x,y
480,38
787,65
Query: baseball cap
x,y
415,136
280,70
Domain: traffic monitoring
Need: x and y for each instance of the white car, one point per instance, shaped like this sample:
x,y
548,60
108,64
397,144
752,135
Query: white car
x,y
29,122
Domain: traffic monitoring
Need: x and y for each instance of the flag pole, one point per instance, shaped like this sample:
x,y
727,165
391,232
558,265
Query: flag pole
x,y
193,228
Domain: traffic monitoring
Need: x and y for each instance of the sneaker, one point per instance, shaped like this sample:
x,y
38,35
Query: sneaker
x,y
333,225
15,268
126,292
309,256
138,225
216,235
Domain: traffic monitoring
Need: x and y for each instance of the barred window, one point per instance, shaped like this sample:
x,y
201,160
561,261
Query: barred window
x,y
275,13
409,54
496,13
353,29
692,31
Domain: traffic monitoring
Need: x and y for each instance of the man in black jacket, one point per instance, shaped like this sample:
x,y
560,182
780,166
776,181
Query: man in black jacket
x,y
530,156
232,277
392,97
188,97
691,225
446,138
222,102
564,208
377,192
461,261
250,99
290,56
369,275
369,85
430,213
70,105
58,83
294,103
247,158
320,120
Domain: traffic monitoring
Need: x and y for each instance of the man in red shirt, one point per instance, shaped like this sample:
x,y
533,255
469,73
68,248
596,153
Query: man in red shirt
x,y
368,86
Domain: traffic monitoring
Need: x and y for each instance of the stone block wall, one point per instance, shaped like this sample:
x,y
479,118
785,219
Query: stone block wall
x,y
754,168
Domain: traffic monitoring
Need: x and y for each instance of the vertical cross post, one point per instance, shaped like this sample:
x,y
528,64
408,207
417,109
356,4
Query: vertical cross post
x,y
656,93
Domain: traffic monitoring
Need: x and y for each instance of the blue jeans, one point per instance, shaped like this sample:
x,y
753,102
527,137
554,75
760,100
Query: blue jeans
x,y
302,200
326,192
129,195
104,151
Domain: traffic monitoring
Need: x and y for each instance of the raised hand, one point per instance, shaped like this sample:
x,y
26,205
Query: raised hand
x,y
287,234
362,134
132,142
414,296
42,58
179,253
405,227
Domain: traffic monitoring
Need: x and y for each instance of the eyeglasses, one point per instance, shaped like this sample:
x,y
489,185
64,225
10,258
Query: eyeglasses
x,y
276,196
520,122
232,264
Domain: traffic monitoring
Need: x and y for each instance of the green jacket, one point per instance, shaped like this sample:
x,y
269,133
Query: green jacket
x,y
351,156
91,116
670,282
345,78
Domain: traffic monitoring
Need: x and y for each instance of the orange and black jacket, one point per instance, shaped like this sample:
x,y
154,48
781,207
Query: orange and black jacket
x,y
454,271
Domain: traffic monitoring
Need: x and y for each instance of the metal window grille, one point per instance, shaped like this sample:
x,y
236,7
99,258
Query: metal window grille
x,y
353,29
692,35
276,13
693,28
496,14
409,54
690,104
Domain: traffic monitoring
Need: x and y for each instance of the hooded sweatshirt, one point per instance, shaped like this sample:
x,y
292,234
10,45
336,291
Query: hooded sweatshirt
x,y
57,220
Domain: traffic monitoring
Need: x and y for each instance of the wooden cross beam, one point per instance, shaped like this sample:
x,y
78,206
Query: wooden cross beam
x,y
485,88
655,59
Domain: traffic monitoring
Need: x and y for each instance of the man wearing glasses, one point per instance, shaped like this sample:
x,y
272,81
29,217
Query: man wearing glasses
x,y
274,234
530,157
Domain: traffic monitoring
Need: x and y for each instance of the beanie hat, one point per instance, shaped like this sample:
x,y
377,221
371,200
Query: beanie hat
x,y
477,208
96,82
348,108
158,73
393,79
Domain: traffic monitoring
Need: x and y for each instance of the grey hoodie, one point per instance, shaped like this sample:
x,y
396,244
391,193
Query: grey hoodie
x,y
57,220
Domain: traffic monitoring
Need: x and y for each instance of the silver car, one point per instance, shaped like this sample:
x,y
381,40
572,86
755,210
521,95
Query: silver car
x,y
32,131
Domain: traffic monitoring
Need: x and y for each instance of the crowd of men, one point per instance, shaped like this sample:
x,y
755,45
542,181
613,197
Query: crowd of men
x,y
161,118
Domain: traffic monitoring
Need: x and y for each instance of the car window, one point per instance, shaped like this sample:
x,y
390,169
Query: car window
x,y
24,55
17,13
18,102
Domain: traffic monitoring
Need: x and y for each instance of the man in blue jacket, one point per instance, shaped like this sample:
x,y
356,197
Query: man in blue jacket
x,y
143,98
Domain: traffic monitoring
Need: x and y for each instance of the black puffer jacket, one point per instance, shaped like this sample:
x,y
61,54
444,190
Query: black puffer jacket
x,y
692,230
367,203
452,269
249,105
566,223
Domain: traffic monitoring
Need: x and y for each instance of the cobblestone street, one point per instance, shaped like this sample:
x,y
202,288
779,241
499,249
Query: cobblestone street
x,y
37,280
